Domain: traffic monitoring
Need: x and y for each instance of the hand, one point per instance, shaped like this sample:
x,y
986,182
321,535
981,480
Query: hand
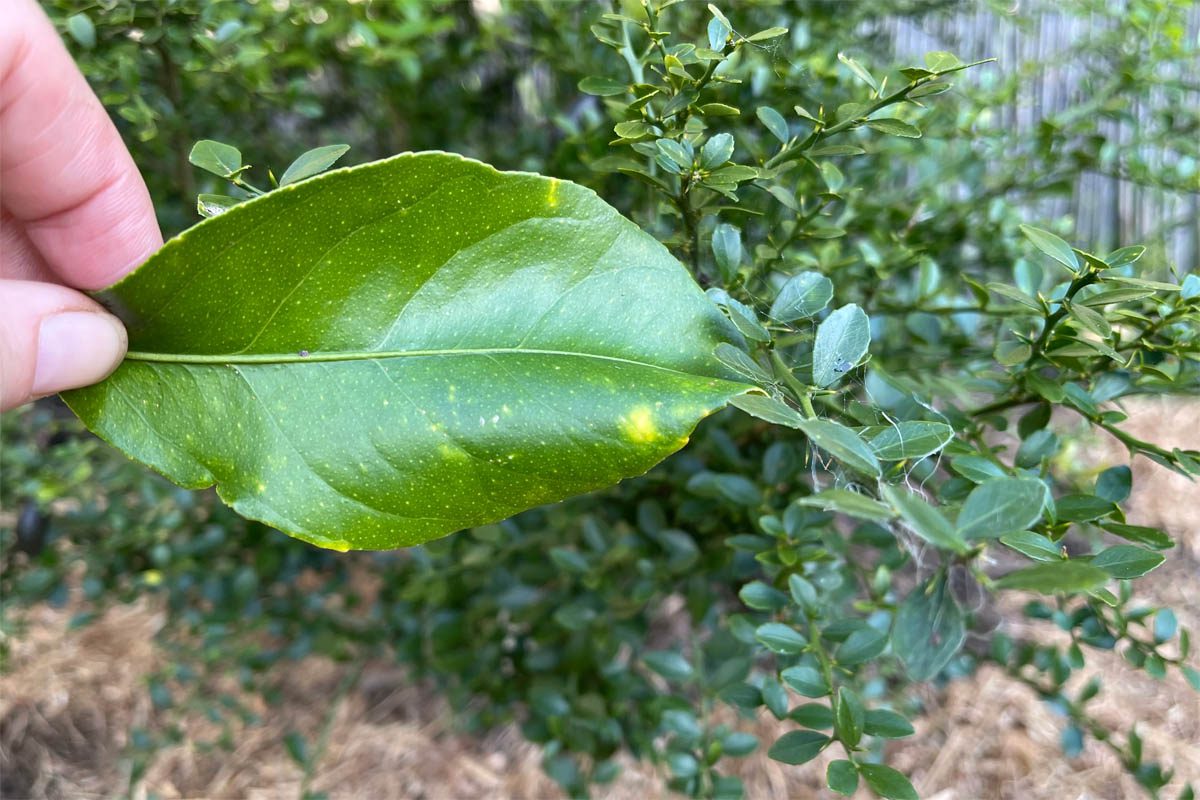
x,y
74,214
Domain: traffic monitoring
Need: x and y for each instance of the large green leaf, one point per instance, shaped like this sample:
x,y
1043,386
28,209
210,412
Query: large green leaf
x,y
382,355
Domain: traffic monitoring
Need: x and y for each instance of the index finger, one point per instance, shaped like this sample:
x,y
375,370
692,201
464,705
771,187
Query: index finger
x,y
65,175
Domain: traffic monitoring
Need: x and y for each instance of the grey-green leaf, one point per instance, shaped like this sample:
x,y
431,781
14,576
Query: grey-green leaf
x,y
314,162
1001,505
802,296
1052,246
82,30
929,630
924,520
602,87
887,782
774,122
847,502
1055,577
842,341
210,205
1126,561
894,127
842,443
768,409
218,158
913,439
798,747
386,354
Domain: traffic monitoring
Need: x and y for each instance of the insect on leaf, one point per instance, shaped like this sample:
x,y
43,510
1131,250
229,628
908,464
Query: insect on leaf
x,y
386,354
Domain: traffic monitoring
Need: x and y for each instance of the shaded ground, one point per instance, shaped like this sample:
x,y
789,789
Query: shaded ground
x,y
69,699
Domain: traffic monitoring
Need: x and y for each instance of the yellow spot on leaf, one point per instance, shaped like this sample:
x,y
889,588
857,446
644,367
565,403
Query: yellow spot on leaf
x,y
262,487
552,194
450,453
340,545
639,426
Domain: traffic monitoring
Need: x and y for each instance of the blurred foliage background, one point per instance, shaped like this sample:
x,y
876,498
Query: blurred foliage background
x,y
559,618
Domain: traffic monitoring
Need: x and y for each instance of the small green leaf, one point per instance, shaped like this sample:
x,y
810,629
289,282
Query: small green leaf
x,y
842,341
886,724
220,159
848,717
727,250
296,747
798,747
780,638
999,506
1151,537
739,744
911,439
1125,256
802,296
1126,561
632,129
1165,625
716,151
1033,545
775,697
887,782
768,409
314,162
842,443
859,71
718,34
1091,319
846,502
841,776
923,519
929,630
1115,483
894,127
82,30
719,110
774,122
211,205
805,680
803,592
813,715
768,33
1082,507
669,664
941,61
761,597
1052,246
601,86
862,645
736,359
1069,577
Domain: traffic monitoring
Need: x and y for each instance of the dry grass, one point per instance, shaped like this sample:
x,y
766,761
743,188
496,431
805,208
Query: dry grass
x,y
69,699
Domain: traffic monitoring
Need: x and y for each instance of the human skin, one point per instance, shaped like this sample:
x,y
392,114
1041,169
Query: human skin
x,y
74,216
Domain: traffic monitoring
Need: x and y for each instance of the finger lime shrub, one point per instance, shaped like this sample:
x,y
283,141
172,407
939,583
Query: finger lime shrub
x,y
907,374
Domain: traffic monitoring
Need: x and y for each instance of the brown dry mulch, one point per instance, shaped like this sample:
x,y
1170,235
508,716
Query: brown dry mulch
x,y
69,698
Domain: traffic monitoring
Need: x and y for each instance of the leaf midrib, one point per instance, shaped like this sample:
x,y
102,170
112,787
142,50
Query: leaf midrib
x,y
222,359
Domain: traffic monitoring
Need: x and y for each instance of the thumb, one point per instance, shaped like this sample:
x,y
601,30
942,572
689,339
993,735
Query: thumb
x,y
51,339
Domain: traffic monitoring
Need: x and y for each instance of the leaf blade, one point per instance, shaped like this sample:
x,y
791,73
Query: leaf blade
x,y
381,413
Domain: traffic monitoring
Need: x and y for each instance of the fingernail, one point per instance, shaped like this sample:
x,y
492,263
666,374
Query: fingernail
x,y
77,348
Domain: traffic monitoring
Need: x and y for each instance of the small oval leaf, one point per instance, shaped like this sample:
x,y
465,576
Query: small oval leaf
x,y
314,162
842,341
